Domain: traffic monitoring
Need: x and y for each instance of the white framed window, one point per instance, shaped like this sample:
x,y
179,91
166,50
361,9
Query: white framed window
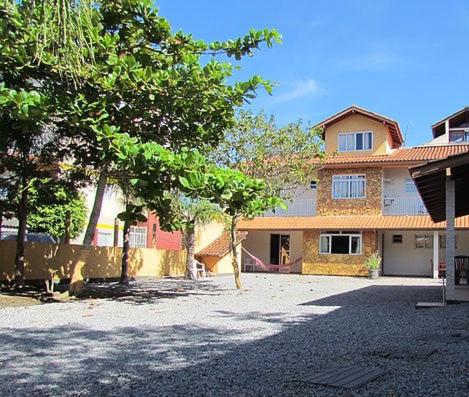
x,y
348,186
410,186
349,243
138,237
355,141
105,238
423,241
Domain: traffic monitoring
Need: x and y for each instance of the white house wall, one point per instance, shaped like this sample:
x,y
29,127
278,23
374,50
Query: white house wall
x,y
406,260
394,183
258,243
303,204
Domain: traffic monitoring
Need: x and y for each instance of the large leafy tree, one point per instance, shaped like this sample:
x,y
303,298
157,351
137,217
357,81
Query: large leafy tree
x,y
153,168
131,72
156,84
56,209
283,156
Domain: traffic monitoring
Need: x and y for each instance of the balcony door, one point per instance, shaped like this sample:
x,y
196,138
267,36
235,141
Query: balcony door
x,y
279,249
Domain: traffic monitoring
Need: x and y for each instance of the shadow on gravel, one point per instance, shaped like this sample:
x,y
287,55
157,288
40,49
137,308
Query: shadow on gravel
x,y
201,361
139,292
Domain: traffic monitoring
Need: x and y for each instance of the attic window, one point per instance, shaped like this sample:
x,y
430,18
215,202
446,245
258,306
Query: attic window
x,y
355,141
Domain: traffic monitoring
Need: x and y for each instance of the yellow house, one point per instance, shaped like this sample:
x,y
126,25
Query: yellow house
x,y
364,201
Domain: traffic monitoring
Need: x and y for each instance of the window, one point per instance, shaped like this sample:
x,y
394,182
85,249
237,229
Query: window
x,y
397,238
423,241
410,186
459,136
105,238
348,186
138,237
352,141
340,243
442,241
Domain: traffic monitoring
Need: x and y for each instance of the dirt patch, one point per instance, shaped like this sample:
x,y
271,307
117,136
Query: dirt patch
x,y
16,301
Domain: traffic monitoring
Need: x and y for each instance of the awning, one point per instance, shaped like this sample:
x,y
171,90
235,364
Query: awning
x,y
355,222
430,179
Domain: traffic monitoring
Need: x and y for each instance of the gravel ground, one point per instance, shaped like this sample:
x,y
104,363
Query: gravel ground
x,y
173,337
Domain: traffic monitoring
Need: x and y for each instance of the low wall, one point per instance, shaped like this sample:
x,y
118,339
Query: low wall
x,y
102,262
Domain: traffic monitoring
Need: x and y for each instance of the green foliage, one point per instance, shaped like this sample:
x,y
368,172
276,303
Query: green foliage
x,y
281,156
132,214
51,203
373,261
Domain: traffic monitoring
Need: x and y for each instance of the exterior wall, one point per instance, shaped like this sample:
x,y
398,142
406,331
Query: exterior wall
x,y
102,262
406,260
356,123
303,204
394,183
336,264
370,205
217,265
258,244
205,234
157,238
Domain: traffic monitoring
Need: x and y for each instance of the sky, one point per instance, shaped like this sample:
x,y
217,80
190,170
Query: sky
x,y
408,60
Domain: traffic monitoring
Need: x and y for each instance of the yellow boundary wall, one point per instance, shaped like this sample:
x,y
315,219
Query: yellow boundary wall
x,y
102,262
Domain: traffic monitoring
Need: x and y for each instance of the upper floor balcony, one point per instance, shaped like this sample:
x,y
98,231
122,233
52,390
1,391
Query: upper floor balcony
x,y
403,206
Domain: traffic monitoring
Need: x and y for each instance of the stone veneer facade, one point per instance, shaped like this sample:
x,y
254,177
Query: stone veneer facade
x,y
340,264
336,264
370,205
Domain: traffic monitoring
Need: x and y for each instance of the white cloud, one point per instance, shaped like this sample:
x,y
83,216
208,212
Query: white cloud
x,y
299,89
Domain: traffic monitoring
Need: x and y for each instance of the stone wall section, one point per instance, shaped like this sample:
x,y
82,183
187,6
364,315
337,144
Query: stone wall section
x,y
336,264
370,205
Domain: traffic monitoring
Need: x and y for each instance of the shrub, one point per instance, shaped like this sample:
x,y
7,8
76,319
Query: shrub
x,y
373,262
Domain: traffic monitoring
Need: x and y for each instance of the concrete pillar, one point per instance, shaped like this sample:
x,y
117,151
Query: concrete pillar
x,y
436,253
450,236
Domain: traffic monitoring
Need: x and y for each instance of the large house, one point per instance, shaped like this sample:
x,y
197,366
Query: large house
x,y
364,201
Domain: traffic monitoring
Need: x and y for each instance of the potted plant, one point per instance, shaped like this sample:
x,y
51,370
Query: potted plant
x,y
372,264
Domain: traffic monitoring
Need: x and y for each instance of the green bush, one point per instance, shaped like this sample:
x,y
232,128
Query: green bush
x,y
373,262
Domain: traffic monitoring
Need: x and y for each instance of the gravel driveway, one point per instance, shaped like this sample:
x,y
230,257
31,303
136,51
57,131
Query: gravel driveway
x,y
173,337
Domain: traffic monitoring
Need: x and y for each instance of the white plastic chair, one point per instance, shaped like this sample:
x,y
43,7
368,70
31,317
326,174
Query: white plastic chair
x,y
200,267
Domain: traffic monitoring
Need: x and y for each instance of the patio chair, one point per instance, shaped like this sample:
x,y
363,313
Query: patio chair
x,y
200,269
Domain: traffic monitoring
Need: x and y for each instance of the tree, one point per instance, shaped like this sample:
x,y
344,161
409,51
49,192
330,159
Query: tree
x,y
155,172
31,147
57,209
281,156
131,216
156,84
238,196
193,213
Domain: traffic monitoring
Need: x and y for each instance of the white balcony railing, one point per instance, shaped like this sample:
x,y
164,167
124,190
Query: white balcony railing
x,y
403,206
299,207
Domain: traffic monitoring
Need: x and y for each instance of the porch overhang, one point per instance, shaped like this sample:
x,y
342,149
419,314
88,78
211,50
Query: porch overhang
x,y
352,222
430,180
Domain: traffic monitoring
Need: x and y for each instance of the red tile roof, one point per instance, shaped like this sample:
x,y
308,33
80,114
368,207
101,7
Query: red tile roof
x,y
221,246
392,125
410,155
366,222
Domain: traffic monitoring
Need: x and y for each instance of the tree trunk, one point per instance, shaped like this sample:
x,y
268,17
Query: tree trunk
x,y
77,280
234,259
20,238
96,211
68,226
125,255
191,270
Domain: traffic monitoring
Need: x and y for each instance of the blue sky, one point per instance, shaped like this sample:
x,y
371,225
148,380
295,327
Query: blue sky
x,y
408,60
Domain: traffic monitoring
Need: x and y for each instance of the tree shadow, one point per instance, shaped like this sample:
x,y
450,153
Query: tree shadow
x,y
231,358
